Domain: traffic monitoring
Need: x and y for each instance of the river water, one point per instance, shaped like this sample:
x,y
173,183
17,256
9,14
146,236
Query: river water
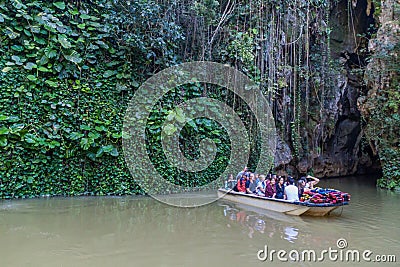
x,y
140,231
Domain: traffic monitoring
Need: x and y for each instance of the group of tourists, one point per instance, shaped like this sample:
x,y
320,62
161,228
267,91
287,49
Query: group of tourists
x,y
272,185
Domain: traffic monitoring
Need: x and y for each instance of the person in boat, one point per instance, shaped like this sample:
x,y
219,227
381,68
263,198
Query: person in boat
x,y
251,185
230,182
312,182
261,186
240,174
256,178
241,184
291,191
301,184
304,186
280,188
270,188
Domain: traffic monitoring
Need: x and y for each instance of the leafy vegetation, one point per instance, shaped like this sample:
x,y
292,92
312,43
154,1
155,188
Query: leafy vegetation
x,y
67,72
380,107
68,69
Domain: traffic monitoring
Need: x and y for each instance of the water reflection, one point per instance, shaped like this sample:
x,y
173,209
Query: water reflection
x,y
291,233
264,223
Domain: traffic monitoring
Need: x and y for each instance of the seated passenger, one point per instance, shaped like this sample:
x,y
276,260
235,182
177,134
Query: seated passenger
x,y
270,188
261,186
291,191
280,188
241,184
230,182
301,184
256,178
251,185
311,184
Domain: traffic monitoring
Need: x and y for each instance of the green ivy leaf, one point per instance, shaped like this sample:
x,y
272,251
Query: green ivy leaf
x,y
85,143
63,40
15,128
51,83
31,77
114,152
94,135
17,48
17,59
101,128
60,5
6,69
43,69
109,73
4,130
99,152
75,136
40,40
3,117
3,141
53,144
108,149
30,138
116,135
73,11
84,16
74,57
51,53
30,66
85,127
10,33
217,141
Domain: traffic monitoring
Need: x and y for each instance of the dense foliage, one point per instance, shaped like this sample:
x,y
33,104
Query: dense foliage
x,y
67,72
381,107
68,69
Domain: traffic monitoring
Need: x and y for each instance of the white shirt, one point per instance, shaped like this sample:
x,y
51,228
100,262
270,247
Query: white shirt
x,y
292,193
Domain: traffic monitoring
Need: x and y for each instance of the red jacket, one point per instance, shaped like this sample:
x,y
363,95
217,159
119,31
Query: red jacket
x,y
241,185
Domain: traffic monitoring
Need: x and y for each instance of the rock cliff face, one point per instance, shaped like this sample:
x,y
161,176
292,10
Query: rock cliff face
x,y
344,149
379,105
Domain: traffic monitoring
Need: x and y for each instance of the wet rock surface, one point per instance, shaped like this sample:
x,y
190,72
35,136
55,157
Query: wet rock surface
x,y
342,148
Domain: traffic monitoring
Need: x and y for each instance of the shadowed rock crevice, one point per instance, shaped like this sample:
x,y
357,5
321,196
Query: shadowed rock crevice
x,y
344,149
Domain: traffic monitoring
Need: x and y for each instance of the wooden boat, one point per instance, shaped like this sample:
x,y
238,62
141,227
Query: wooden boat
x,y
279,205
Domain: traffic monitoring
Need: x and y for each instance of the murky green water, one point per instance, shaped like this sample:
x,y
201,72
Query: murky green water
x,y
140,231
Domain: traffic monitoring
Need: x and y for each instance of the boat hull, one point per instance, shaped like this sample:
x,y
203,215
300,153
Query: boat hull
x,y
278,205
